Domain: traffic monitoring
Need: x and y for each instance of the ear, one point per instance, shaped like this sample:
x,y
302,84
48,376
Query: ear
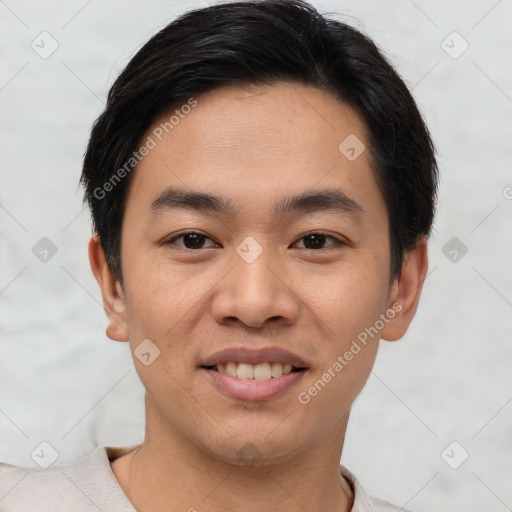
x,y
405,292
111,291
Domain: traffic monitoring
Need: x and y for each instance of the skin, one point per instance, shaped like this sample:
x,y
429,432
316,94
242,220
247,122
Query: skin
x,y
252,145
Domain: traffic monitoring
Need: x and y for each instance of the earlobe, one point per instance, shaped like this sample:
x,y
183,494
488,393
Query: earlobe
x,y
111,291
405,292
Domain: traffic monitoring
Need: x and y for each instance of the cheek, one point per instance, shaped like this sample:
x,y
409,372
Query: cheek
x,y
343,313
166,306
157,298
155,316
346,300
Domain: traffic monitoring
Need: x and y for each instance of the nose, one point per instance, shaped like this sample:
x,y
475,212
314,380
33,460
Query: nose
x,y
254,292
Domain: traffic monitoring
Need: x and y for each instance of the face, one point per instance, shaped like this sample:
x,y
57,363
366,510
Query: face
x,y
288,263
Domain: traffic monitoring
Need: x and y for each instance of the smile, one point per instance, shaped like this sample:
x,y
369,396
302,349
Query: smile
x,y
262,371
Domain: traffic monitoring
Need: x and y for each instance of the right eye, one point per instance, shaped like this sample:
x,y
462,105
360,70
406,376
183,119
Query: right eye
x,y
192,240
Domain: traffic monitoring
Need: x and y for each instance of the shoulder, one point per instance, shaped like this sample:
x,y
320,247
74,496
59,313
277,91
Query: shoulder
x,y
83,485
363,502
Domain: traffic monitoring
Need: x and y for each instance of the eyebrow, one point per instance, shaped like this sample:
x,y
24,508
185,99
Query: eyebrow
x,y
325,200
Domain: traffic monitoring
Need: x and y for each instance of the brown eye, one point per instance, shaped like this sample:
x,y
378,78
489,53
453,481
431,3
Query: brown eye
x,y
191,240
316,241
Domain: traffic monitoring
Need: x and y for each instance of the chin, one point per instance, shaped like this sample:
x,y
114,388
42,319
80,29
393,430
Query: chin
x,y
257,451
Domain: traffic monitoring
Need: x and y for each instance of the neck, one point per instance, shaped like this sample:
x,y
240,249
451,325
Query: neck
x,y
169,471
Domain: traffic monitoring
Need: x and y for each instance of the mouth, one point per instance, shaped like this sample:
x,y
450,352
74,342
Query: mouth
x,y
261,371
255,375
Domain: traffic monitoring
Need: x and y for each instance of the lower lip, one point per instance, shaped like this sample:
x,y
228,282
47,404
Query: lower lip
x,y
252,389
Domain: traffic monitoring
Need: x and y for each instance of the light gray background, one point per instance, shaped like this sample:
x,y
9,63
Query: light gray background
x,y
63,381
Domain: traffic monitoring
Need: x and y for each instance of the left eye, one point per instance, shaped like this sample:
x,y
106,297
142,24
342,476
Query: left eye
x,y
315,240
193,240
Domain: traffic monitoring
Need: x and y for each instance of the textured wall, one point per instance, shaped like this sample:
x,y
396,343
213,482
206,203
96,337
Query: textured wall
x,y
448,380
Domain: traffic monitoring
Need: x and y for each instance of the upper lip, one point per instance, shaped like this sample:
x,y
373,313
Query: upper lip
x,y
255,356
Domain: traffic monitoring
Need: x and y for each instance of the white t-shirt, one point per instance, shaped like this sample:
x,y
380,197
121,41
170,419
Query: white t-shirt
x,y
89,484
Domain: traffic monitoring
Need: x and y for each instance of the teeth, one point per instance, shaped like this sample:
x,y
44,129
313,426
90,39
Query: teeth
x,y
262,371
245,371
231,369
276,369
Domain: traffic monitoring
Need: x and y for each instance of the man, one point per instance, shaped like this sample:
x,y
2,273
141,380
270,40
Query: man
x,y
262,187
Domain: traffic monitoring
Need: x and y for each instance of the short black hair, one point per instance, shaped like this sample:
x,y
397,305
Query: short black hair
x,y
263,42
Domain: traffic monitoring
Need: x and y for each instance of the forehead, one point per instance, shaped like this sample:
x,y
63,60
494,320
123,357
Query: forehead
x,y
282,118
263,140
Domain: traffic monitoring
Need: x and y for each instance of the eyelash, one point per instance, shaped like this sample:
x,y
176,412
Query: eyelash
x,y
338,242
